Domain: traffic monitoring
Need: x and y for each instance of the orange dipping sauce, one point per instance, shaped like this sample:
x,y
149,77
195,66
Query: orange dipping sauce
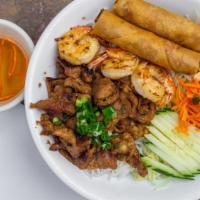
x,y
13,66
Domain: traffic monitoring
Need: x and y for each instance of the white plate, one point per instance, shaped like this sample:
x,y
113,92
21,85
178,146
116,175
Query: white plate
x,y
43,60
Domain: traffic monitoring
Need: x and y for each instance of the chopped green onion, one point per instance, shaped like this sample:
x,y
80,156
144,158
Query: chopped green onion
x,y
110,133
95,109
57,121
109,114
106,136
97,113
106,145
95,141
81,102
87,124
96,129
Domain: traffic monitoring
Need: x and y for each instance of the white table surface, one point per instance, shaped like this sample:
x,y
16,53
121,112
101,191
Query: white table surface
x,y
23,173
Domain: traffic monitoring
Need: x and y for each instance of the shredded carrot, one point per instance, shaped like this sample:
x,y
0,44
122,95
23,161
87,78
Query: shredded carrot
x,y
13,63
187,104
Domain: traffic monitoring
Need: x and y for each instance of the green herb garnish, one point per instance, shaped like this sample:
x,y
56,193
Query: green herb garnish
x,y
195,100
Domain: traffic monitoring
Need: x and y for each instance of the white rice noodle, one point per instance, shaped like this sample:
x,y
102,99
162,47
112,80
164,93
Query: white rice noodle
x,y
123,170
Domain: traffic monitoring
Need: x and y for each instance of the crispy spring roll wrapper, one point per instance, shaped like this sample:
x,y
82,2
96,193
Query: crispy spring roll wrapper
x,y
145,44
162,22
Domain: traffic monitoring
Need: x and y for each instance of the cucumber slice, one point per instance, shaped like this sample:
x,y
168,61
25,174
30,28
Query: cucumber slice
x,y
162,168
180,153
193,139
173,163
186,140
180,139
175,154
165,138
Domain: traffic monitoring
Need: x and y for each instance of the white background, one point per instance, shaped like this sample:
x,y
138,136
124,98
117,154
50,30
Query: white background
x,y
23,173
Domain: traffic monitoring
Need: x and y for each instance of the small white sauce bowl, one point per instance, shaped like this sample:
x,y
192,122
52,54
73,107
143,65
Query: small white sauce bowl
x,y
17,34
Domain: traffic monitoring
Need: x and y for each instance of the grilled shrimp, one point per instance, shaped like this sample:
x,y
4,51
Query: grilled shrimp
x,y
77,46
154,83
115,63
150,81
119,64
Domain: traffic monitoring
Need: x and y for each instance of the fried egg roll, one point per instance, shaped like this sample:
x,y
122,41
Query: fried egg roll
x,y
145,44
160,21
